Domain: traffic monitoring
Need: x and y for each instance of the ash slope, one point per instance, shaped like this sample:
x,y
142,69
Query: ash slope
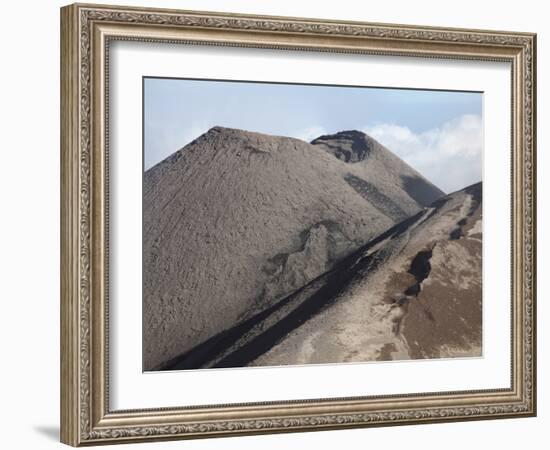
x,y
412,292
358,148
236,221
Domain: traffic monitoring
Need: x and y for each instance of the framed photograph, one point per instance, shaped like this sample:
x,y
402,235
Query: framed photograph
x,y
276,224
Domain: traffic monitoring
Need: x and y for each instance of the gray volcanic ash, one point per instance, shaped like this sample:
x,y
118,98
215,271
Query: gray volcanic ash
x,y
236,221
412,292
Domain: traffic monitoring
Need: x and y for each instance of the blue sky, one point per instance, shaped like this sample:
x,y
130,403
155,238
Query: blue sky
x,y
439,133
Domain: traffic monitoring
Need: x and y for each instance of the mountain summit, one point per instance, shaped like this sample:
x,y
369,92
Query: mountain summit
x,y
377,161
237,220
349,146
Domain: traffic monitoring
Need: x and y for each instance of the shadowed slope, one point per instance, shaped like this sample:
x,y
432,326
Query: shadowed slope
x,y
421,299
378,163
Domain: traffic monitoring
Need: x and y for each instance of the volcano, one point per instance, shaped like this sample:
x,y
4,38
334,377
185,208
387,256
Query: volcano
x,y
237,222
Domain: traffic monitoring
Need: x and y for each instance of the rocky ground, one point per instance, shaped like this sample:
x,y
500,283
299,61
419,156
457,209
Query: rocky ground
x,y
412,292
269,250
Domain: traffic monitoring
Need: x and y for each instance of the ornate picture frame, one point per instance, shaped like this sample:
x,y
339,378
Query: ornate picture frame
x,y
87,31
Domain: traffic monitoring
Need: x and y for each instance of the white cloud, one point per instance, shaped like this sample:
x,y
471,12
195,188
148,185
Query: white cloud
x,y
309,133
449,156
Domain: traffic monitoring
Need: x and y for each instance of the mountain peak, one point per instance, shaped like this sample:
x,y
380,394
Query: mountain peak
x,y
351,134
348,145
257,138
220,129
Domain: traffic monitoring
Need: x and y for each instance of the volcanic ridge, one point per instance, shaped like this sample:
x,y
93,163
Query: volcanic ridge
x,y
268,250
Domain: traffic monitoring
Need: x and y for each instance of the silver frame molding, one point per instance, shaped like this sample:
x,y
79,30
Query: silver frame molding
x,y
86,31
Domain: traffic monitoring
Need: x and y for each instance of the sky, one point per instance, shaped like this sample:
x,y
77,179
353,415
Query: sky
x,y
439,133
